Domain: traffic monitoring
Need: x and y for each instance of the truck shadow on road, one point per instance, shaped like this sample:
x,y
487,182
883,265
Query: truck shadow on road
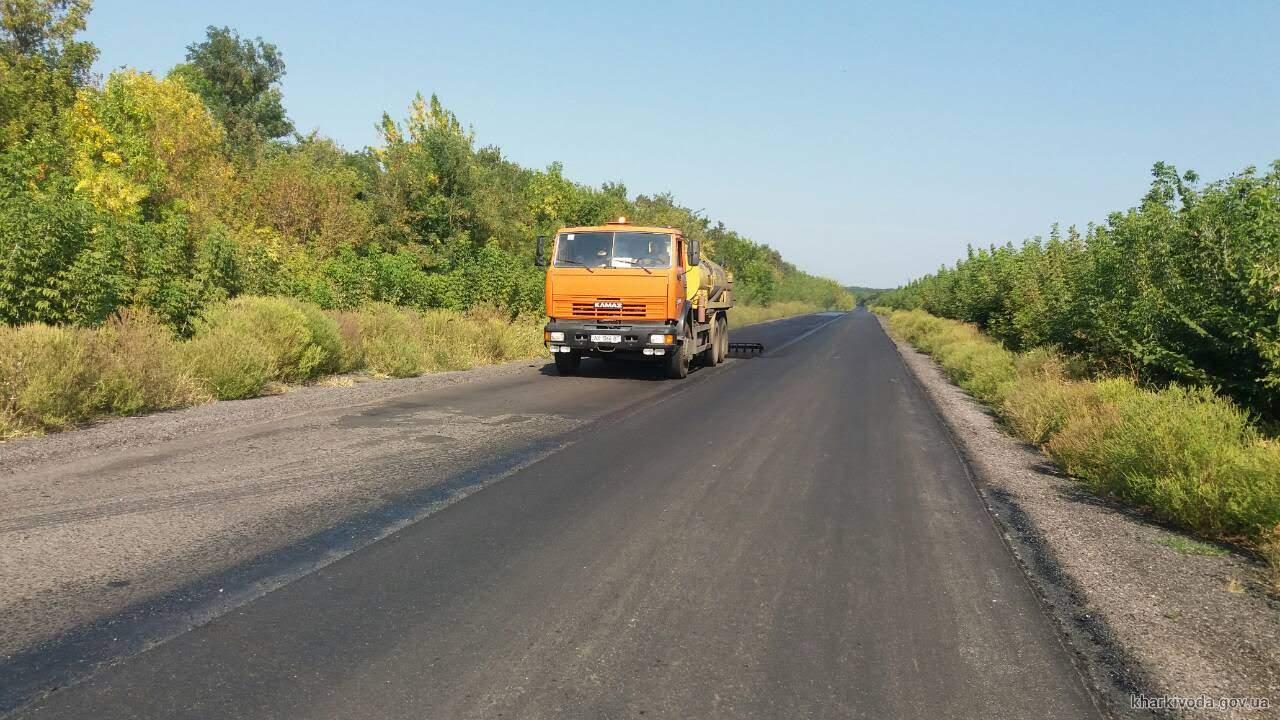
x,y
620,369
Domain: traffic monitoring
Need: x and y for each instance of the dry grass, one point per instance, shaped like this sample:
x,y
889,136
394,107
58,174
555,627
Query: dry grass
x,y
1190,457
143,367
1045,397
743,315
399,342
351,349
53,378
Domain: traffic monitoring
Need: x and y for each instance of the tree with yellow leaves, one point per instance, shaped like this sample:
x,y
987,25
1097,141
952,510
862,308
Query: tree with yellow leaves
x,y
144,141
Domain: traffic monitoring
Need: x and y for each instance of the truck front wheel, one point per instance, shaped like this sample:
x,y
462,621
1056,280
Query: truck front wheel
x,y
678,360
567,363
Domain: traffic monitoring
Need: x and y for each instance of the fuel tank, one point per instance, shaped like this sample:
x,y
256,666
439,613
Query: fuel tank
x,y
712,278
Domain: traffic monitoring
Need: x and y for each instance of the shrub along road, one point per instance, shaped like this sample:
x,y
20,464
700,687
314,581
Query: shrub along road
x,y
788,536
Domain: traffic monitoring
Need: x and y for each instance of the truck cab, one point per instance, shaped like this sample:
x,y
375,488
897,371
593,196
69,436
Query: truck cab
x,y
619,289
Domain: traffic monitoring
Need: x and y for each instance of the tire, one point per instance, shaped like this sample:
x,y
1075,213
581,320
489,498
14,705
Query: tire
x,y
567,363
722,339
678,361
707,358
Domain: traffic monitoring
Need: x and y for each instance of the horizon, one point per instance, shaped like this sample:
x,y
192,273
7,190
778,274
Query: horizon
x,y
869,145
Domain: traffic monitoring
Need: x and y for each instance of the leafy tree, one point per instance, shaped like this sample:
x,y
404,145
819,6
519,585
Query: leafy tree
x,y
42,65
239,81
310,195
427,190
40,236
143,139
1183,288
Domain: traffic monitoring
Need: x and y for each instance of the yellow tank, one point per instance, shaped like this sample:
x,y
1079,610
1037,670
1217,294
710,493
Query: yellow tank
x,y
713,279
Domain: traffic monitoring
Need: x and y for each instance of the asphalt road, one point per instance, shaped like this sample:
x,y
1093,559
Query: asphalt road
x,y
789,536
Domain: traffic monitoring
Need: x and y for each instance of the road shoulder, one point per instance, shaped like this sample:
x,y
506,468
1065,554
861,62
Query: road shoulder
x,y
1141,616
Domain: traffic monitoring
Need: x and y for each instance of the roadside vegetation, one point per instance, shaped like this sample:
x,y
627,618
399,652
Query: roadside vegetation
x,y
56,377
52,378
176,192
1184,288
167,239
1190,457
743,315
864,295
1143,354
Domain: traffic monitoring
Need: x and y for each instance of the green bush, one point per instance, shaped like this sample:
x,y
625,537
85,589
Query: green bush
x,y
326,337
1190,456
30,269
229,363
300,342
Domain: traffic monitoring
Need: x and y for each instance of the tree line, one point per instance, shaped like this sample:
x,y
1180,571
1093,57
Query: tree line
x,y
1184,288
174,192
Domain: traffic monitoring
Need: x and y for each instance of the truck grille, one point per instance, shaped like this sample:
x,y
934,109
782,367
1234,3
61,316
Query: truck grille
x,y
633,308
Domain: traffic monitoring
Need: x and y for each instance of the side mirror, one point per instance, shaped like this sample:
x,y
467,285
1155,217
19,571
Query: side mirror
x,y
539,259
694,256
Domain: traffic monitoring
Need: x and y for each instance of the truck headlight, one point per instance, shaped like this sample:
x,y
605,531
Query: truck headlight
x,y
555,336
661,339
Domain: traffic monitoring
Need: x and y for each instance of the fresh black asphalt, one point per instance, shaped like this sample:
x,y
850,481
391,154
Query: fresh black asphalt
x,y
787,536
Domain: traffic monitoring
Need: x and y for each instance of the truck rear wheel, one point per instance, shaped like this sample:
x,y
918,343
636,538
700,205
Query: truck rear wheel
x,y
722,339
707,358
567,363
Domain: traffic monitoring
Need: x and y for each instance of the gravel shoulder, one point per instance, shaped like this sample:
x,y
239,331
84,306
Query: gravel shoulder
x,y
1142,616
21,455
99,519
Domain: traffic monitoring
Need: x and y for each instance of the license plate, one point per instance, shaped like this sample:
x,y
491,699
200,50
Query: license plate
x,y
606,338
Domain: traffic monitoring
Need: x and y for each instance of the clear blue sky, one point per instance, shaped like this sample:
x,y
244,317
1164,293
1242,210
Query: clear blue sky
x,y
867,143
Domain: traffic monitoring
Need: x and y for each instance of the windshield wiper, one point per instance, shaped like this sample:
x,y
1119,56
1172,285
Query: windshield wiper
x,y
575,262
633,263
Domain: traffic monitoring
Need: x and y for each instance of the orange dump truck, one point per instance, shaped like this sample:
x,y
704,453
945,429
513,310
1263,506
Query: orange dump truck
x,y
623,289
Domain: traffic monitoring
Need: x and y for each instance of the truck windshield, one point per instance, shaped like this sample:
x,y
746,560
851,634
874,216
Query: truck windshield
x,y
614,250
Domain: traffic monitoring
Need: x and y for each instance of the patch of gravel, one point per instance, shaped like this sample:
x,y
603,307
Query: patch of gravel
x,y
339,391
1142,617
99,519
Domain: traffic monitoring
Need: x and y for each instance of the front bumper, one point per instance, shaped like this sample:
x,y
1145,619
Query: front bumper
x,y
634,338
